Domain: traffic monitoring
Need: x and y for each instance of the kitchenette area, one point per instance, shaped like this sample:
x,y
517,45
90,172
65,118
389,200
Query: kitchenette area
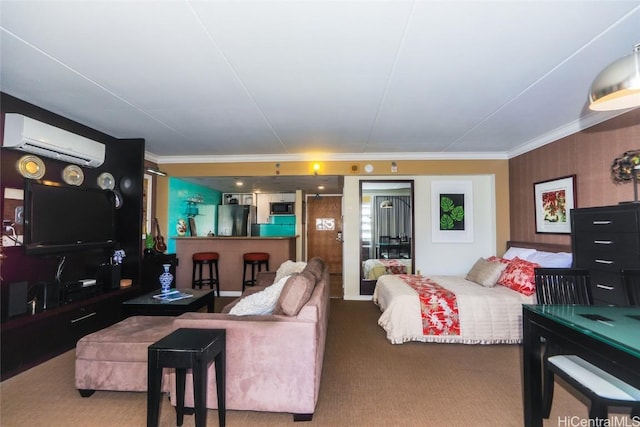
x,y
241,223
231,249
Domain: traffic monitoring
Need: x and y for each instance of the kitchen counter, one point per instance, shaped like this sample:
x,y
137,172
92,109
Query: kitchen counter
x,y
230,264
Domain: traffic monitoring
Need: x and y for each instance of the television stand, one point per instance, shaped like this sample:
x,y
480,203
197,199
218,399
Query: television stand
x,y
28,340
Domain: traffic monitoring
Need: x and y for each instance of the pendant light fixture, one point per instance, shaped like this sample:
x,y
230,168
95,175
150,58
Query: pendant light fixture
x,y
617,87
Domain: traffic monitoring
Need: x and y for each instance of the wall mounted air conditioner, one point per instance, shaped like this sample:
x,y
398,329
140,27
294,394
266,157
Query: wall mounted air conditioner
x,y
27,134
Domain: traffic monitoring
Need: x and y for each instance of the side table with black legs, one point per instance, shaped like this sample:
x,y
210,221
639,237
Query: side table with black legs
x,y
184,349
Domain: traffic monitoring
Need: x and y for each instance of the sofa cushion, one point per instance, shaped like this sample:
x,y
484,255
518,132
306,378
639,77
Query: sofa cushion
x,y
264,279
262,302
295,294
315,267
288,268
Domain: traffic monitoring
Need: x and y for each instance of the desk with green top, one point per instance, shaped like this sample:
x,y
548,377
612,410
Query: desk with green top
x,y
608,337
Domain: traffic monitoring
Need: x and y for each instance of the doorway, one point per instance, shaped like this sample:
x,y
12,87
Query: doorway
x,y
324,236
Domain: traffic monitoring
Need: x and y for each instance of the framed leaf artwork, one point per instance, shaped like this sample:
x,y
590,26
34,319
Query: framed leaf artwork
x,y
451,211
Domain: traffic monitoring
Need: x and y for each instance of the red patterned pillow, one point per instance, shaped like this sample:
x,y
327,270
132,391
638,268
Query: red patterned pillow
x,y
500,260
519,276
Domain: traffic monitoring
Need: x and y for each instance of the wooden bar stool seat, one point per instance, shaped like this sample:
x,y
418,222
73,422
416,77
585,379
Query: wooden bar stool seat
x,y
210,259
253,259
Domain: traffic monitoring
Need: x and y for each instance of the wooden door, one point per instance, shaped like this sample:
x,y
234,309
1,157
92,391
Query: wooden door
x,y
324,231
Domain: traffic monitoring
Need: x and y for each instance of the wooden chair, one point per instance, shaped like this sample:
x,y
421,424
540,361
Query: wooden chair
x,y
394,247
572,286
563,286
405,249
383,244
631,282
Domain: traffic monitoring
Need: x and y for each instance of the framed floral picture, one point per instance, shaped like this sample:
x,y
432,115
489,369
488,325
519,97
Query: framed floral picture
x,y
553,201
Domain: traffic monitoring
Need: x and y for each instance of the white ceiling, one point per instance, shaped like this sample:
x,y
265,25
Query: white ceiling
x,y
291,80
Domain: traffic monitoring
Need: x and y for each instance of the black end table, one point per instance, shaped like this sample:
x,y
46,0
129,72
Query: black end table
x,y
184,349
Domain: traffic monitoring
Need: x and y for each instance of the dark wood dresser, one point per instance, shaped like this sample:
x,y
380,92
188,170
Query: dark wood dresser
x,y
605,240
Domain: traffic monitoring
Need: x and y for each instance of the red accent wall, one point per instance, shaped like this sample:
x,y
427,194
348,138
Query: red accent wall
x,y
588,155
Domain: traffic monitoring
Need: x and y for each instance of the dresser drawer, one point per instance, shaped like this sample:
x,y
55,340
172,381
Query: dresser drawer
x,y
607,288
605,221
610,251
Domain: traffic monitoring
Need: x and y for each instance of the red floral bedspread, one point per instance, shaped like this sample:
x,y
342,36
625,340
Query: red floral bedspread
x,y
393,266
439,308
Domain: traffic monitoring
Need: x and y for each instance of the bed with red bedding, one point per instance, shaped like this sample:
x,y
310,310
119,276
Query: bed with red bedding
x,y
466,310
374,268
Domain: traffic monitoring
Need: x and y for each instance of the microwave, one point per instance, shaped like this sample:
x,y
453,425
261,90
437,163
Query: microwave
x,y
281,208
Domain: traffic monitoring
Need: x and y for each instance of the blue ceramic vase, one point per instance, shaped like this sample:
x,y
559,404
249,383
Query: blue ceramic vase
x,y
166,278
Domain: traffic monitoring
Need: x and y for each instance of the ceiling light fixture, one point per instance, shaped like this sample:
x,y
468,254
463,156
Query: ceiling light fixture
x,y
617,87
156,171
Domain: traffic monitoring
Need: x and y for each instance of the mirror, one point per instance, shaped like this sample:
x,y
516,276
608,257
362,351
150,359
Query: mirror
x,y
386,230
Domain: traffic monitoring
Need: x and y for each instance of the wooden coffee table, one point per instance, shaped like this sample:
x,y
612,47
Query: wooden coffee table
x,y
147,305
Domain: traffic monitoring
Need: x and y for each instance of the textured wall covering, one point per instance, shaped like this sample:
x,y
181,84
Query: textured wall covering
x,y
588,155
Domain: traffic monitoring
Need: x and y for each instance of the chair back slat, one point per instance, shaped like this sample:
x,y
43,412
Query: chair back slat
x,y
631,282
563,286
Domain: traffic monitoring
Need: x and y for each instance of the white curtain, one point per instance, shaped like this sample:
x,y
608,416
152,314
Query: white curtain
x,y
392,222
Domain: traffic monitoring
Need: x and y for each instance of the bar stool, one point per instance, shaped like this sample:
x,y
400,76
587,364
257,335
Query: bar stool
x,y
210,259
253,259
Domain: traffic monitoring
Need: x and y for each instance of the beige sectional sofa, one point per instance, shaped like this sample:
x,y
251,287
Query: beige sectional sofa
x,y
273,362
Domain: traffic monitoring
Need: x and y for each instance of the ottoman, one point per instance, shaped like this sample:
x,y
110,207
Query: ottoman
x,y
115,358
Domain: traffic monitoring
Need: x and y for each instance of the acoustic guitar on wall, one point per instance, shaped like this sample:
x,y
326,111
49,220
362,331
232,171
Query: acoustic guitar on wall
x,y
159,245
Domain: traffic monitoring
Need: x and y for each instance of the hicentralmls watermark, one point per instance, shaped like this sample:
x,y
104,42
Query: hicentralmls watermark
x,y
612,421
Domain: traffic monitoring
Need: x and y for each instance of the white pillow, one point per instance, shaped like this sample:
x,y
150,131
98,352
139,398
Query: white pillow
x,y
288,268
262,302
551,259
521,253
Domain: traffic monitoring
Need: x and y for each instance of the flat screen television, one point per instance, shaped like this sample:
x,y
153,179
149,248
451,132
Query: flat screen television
x,y
60,218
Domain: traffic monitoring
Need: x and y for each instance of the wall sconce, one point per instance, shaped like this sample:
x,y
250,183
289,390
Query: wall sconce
x,y
394,167
316,168
156,171
617,87
31,166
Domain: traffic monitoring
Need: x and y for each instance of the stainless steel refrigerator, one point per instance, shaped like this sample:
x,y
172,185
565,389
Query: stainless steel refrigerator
x,y
235,220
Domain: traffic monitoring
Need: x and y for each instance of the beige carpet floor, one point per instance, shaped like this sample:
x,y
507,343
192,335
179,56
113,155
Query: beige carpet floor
x,y
366,382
